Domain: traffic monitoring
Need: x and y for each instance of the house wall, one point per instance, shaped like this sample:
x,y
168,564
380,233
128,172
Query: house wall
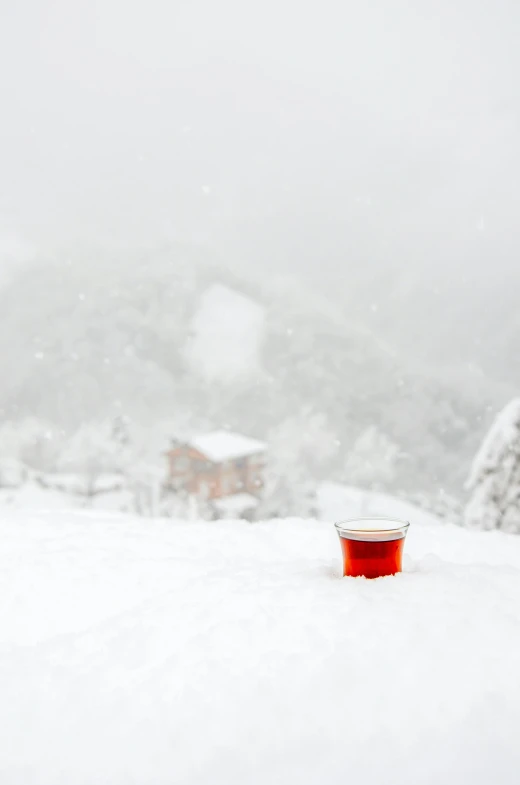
x,y
255,479
243,476
190,470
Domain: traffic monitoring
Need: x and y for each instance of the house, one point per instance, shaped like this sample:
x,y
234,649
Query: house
x,y
217,465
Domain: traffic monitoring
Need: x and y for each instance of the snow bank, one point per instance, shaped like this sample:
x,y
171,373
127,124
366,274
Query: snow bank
x,y
32,496
236,505
335,502
226,653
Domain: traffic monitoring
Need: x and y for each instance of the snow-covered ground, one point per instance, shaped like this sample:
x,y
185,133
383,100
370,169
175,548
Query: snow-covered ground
x,y
137,652
335,502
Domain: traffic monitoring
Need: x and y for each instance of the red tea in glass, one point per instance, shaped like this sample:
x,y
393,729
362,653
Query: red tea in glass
x,y
372,547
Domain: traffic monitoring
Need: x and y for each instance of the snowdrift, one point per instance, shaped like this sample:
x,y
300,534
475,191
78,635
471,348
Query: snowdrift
x,y
168,652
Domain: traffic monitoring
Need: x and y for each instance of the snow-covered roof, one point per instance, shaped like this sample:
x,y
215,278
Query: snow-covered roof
x,y
236,504
221,446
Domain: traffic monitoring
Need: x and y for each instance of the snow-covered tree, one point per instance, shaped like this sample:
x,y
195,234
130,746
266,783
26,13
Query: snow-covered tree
x,y
372,460
494,480
145,483
121,437
300,451
288,491
121,430
91,452
31,441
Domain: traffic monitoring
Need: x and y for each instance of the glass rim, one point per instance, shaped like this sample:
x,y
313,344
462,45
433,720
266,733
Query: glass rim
x,y
397,526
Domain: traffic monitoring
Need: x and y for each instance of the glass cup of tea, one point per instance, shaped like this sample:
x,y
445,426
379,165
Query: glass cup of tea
x,y
372,547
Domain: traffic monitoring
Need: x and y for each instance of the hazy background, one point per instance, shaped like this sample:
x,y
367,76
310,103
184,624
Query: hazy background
x,y
343,163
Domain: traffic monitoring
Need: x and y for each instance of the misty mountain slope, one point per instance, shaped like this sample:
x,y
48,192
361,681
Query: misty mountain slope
x,y
456,319
83,341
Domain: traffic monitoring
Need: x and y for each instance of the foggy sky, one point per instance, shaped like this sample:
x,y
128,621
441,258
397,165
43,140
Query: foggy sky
x,y
290,133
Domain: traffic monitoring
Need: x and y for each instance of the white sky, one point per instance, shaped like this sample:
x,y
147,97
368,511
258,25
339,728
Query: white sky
x,y
378,130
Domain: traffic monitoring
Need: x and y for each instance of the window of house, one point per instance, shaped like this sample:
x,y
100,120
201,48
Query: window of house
x,y
203,467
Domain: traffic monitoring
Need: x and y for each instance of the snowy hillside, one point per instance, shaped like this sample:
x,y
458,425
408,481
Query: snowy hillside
x,y
333,499
176,336
227,653
225,337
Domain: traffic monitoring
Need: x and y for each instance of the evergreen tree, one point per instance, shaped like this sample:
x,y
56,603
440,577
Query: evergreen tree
x,y
494,481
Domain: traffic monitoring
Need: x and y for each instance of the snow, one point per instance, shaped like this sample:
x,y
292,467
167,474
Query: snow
x,y
159,652
220,446
67,492
336,502
13,473
227,332
79,485
494,480
236,505
32,496
497,445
